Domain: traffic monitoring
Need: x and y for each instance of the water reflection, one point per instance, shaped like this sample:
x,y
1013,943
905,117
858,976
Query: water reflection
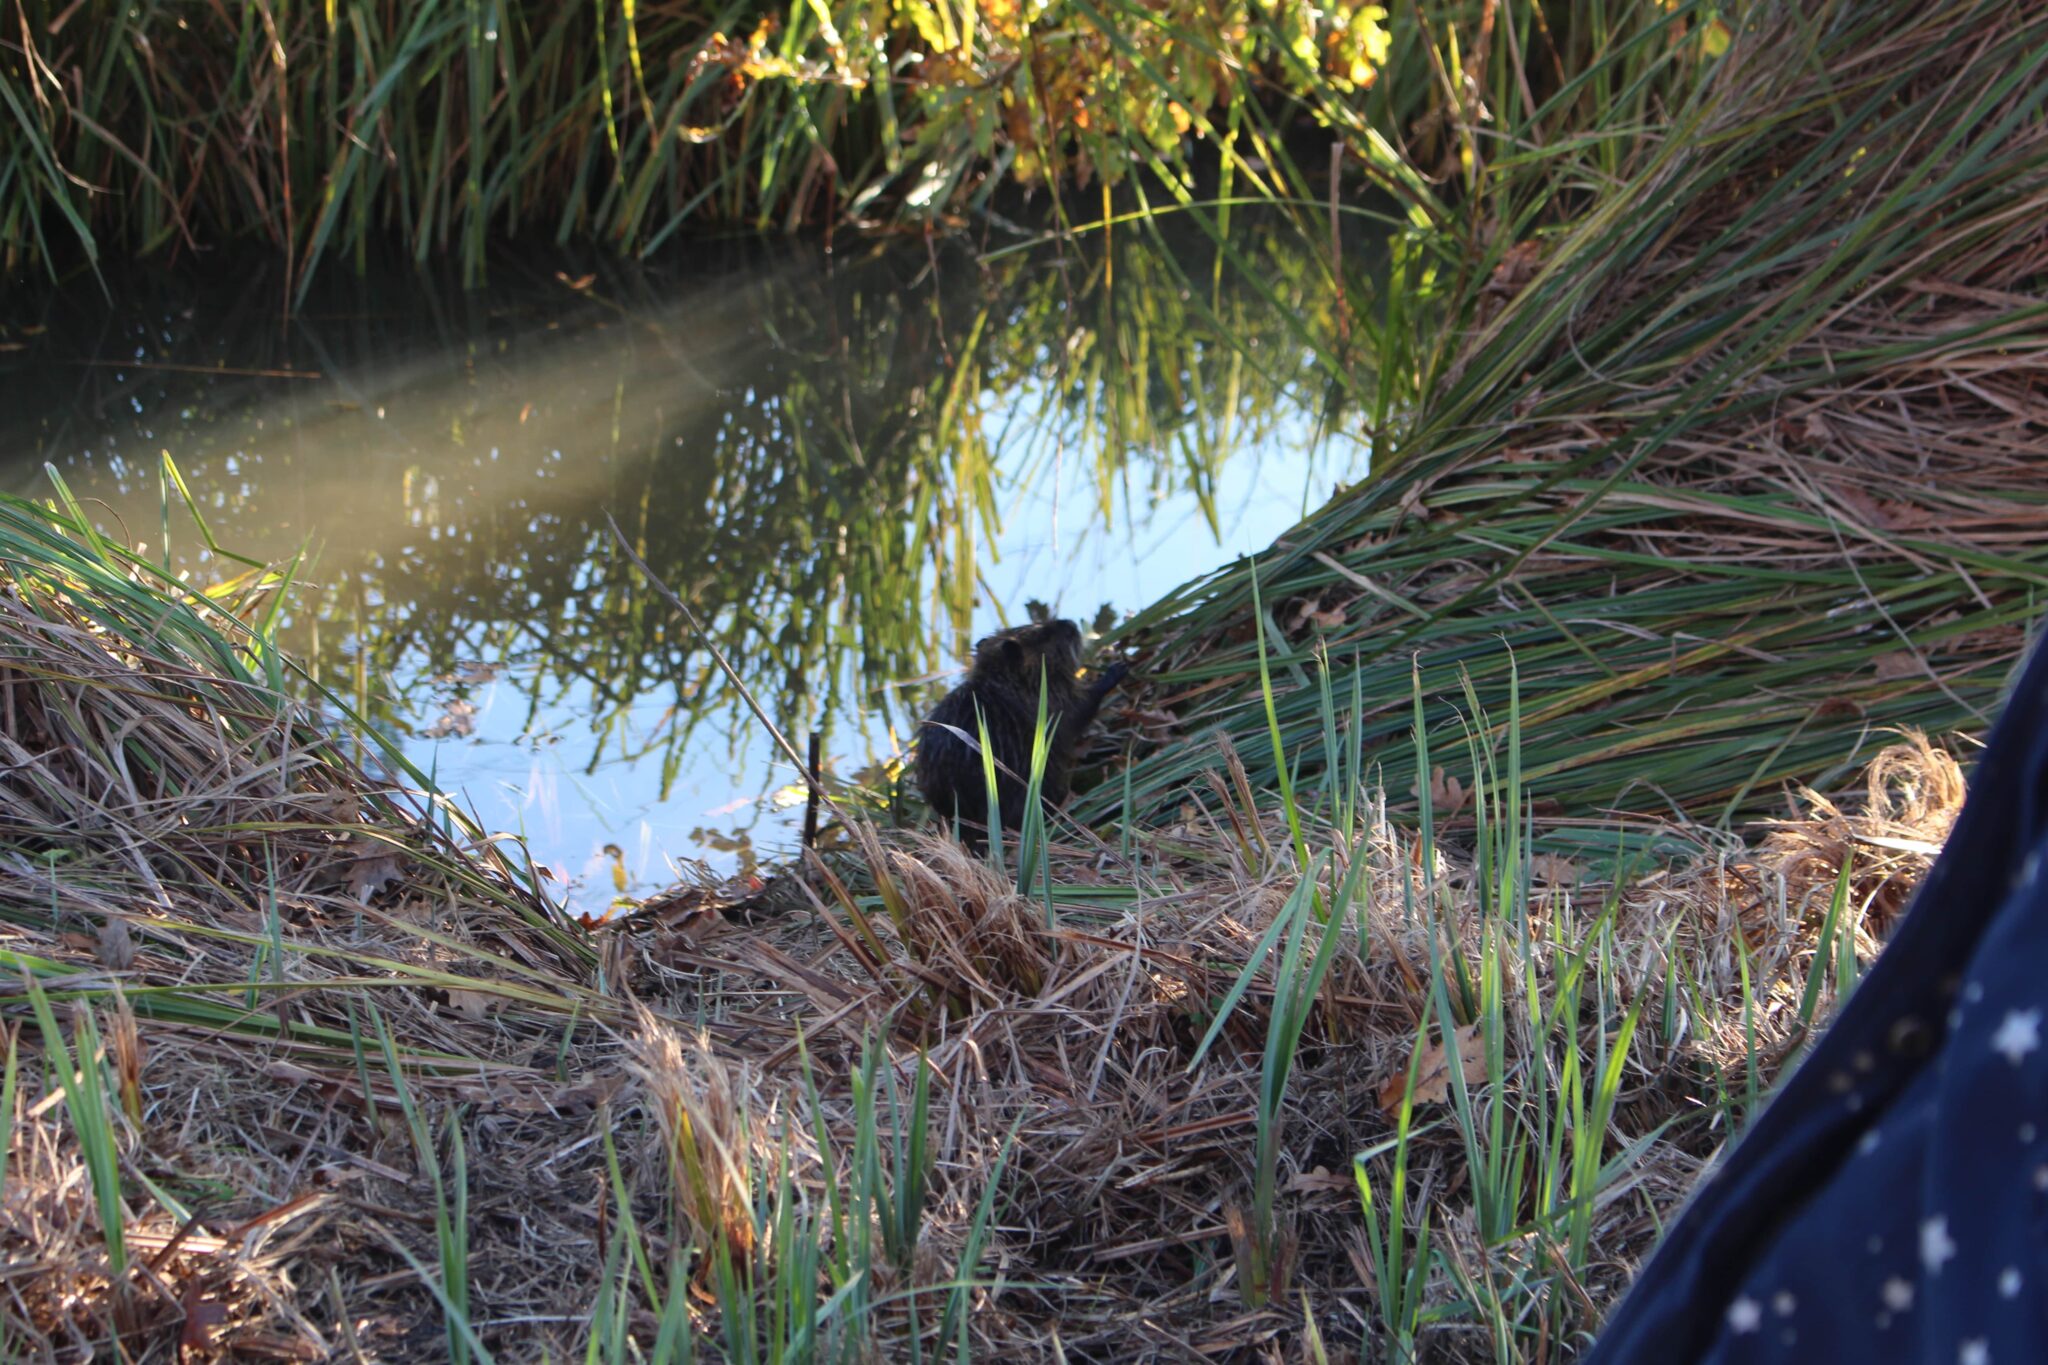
x,y
850,466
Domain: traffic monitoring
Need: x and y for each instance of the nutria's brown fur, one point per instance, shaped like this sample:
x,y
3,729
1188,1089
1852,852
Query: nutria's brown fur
x,y
1001,692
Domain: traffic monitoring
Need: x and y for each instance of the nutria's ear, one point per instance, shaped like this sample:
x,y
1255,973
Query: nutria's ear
x,y
1013,656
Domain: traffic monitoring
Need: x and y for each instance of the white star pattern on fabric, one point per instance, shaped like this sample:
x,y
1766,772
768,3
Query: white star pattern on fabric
x,y
1898,1294
2009,1282
1745,1315
1782,1303
1975,1351
1867,1144
2018,1035
1936,1246
2030,870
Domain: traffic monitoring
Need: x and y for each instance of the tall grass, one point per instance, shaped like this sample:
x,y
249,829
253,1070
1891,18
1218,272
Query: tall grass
x,y
327,130
1726,453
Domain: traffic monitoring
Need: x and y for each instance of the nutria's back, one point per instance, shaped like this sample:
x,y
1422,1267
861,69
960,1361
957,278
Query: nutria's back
x,y
1001,692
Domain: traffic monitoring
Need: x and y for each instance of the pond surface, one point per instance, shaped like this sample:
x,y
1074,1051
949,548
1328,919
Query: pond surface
x,y
851,465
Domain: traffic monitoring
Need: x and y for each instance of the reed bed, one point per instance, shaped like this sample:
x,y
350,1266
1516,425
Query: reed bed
x,y
329,131
298,1067
1742,458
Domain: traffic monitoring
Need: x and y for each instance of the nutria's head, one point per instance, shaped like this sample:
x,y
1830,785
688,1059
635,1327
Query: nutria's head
x,y
1019,652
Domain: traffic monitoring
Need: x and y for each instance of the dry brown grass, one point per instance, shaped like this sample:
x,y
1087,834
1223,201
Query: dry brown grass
x,y
268,1176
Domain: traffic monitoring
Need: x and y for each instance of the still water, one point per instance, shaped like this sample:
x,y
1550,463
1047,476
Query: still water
x,y
850,464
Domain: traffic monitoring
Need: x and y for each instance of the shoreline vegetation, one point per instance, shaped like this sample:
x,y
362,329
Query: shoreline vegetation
x,y
1438,945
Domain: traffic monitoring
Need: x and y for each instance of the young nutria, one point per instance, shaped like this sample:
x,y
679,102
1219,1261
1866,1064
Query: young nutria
x,y
1002,687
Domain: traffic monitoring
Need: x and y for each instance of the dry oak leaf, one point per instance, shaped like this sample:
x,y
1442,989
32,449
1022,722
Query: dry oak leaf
x,y
1322,1179
1897,664
1447,795
1433,1075
376,866
1549,868
1308,612
456,721
473,1004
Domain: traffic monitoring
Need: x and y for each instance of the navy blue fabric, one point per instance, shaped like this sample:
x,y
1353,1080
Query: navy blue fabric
x,y
1891,1202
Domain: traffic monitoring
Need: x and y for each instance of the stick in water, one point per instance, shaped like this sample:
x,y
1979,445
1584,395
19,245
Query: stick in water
x,y
811,802
718,656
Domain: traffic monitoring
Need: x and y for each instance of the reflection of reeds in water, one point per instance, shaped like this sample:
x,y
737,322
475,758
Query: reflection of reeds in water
x,y
807,451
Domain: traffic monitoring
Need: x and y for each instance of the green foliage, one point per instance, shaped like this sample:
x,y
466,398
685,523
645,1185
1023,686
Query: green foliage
x,y
327,128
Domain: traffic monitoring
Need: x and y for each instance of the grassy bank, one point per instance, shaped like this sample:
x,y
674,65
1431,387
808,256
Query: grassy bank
x,y
1379,1036
1744,460
298,1066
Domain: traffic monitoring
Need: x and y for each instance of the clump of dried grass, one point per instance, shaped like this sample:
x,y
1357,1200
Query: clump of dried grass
x,y
209,872
699,1101
1912,792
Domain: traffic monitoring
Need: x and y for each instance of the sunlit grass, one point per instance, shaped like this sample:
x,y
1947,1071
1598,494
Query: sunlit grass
x,y
1370,912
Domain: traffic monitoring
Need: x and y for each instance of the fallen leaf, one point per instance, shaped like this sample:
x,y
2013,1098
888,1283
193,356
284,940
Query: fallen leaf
x,y
473,1004
1548,867
1433,1076
1447,795
579,284
376,867
1897,664
1867,510
203,1317
1308,611
116,945
1321,1179
458,718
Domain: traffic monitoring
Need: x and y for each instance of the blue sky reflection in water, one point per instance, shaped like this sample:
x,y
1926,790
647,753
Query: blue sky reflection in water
x,y
852,469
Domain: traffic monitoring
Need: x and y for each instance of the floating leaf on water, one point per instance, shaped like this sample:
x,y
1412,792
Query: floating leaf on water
x,y
457,720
